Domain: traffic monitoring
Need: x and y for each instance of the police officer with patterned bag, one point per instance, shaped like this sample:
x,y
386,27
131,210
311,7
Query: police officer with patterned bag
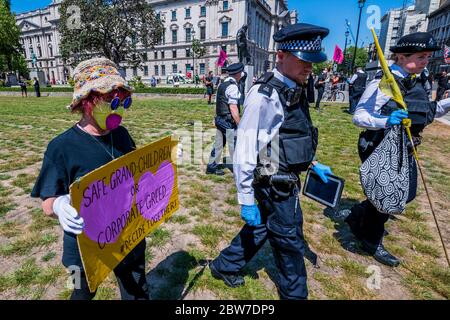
x,y
377,113
276,141
227,116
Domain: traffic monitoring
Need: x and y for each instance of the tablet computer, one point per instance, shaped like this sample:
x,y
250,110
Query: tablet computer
x,y
328,194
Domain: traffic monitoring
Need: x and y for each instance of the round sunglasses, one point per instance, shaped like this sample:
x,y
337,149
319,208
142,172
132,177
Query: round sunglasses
x,y
115,103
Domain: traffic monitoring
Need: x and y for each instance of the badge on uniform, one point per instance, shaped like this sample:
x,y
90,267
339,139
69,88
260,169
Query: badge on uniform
x,y
328,194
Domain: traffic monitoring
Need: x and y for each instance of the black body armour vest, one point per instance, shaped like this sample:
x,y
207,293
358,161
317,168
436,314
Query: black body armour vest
x,y
298,137
222,107
360,82
421,111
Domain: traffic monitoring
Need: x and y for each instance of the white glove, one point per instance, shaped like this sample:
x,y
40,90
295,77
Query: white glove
x,y
68,215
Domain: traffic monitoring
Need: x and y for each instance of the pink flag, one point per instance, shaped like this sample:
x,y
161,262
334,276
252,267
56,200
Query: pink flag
x,y
338,55
222,58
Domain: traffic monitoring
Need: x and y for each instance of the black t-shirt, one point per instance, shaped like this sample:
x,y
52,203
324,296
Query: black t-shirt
x,y
322,77
210,80
71,155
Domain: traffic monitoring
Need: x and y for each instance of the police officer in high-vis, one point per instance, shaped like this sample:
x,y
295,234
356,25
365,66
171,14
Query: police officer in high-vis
x,y
227,116
376,112
276,141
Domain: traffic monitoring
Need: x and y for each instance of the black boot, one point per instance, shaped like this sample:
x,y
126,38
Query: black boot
x,y
383,256
380,254
232,280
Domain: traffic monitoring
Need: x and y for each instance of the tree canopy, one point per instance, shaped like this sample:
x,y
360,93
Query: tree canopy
x,y
116,29
10,47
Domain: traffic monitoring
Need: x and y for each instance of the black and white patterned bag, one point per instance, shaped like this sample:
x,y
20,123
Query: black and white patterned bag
x,y
385,174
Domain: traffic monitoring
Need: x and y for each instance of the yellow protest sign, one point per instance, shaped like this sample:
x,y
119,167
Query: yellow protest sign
x,y
122,202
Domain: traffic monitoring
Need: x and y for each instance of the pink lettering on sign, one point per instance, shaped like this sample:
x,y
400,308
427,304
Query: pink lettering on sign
x,y
155,191
105,207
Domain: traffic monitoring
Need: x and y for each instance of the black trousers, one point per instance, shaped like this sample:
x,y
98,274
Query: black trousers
x,y
226,131
367,223
282,224
320,92
130,274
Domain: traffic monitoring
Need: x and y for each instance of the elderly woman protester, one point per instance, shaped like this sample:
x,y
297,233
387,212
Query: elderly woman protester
x,y
101,96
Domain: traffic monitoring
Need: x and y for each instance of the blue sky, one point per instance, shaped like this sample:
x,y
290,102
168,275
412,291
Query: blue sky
x,y
327,13
332,14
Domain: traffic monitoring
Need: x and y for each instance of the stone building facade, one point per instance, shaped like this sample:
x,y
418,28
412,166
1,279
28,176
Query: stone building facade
x,y
214,22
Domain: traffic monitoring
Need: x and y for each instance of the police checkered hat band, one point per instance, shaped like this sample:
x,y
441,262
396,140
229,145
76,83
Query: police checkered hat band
x,y
301,45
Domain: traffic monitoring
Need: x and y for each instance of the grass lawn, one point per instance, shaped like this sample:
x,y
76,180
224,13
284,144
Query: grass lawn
x,y
31,244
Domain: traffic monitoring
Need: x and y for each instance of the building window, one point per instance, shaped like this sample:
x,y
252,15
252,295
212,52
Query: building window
x,y
224,48
145,56
174,68
202,11
156,71
50,51
29,40
174,53
188,12
202,33
162,54
188,52
174,36
225,5
224,29
188,35
49,37
158,16
156,55
202,68
39,52
174,15
145,70
163,70
135,72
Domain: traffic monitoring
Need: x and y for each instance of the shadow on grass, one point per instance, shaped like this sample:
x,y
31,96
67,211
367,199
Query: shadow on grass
x,y
264,260
168,279
343,234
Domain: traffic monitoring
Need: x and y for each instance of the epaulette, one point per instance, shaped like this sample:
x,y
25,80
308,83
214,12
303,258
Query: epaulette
x,y
266,89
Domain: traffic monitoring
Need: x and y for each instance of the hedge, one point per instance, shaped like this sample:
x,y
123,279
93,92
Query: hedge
x,y
163,90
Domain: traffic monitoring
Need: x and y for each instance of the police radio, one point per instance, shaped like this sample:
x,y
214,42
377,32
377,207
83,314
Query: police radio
x,y
293,96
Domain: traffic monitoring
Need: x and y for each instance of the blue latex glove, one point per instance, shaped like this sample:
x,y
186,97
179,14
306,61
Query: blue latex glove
x,y
251,215
396,117
322,171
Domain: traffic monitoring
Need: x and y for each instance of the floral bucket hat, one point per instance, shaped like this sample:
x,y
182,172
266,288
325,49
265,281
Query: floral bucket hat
x,y
96,75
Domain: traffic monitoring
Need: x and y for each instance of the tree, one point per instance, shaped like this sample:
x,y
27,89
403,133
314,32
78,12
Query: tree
x,y
116,29
361,57
10,47
318,67
198,51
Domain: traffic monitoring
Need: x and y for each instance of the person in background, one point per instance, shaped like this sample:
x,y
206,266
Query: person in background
x,y
320,86
442,85
209,86
37,88
227,117
23,87
357,85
